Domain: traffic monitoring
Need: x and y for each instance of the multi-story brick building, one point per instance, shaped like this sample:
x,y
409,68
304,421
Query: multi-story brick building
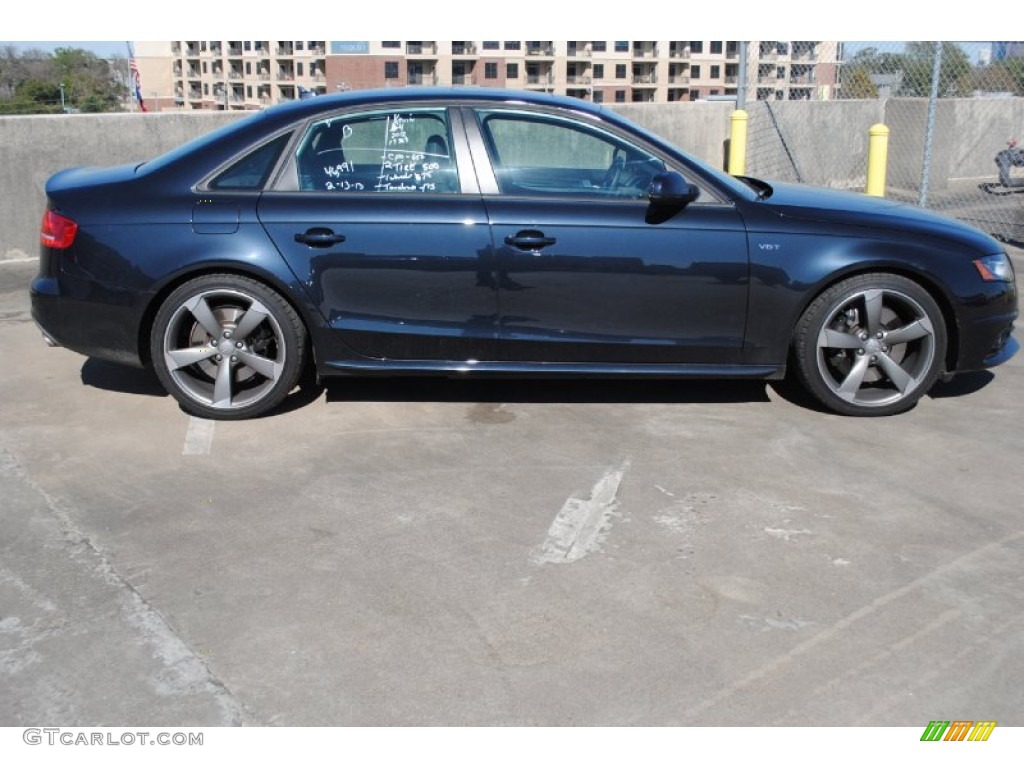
x,y
249,74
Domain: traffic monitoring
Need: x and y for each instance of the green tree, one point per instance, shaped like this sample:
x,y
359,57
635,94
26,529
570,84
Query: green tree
x,y
919,62
857,84
30,82
89,82
1000,77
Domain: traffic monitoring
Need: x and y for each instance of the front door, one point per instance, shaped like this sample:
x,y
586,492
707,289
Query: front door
x,y
586,270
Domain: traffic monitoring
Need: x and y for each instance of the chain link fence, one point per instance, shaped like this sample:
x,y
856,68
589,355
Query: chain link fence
x,y
952,109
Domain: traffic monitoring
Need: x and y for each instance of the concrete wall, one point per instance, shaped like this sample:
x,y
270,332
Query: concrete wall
x,y
699,128
32,148
827,142
823,143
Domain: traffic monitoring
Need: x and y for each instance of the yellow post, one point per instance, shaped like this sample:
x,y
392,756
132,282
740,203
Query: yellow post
x,y
738,143
878,153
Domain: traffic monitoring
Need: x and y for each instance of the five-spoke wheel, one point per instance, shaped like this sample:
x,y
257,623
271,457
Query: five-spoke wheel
x,y
871,345
227,347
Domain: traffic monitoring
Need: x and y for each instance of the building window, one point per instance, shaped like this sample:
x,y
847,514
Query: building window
x,y
620,96
204,67
695,72
248,45
598,97
598,71
716,46
491,70
599,46
259,45
716,71
622,46
206,89
696,46
780,73
513,45
298,69
694,94
298,45
512,71
390,70
491,45
391,44
620,71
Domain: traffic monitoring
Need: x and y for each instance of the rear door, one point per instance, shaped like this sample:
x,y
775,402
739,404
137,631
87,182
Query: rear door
x,y
378,213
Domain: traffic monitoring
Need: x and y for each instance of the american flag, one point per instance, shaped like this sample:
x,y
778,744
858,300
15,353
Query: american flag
x,y
136,78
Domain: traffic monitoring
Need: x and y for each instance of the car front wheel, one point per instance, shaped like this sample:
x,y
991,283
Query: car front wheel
x,y
227,347
871,345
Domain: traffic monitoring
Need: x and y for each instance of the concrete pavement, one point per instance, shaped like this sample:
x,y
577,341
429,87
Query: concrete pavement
x,y
435,552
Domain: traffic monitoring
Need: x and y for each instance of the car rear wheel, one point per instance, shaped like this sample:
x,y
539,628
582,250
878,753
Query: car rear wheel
x,y
871,345
227,347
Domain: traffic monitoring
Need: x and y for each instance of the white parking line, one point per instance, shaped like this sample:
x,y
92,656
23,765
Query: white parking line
x,y
19,261
199,437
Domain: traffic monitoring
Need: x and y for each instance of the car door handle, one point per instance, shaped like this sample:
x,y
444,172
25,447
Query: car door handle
x,y
529,240
319,237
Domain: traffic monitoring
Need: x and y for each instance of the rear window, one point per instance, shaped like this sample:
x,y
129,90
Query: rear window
x,y
252,171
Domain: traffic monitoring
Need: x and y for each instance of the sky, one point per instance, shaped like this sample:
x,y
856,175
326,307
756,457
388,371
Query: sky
x,y
107,48
456,19
102,48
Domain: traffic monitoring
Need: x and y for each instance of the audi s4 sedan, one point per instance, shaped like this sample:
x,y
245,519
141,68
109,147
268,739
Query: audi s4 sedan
x,y
466,231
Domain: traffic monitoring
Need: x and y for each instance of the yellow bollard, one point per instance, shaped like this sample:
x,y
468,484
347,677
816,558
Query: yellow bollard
x,y
738,143
878,153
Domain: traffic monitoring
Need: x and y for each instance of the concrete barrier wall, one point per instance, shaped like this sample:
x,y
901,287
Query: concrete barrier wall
x,y
823,143
826,139
698,128
32,148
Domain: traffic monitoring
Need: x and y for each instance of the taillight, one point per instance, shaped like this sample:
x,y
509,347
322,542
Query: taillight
x,y
57,231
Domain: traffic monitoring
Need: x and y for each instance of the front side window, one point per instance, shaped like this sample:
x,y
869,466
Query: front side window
x,y
405,151
546,156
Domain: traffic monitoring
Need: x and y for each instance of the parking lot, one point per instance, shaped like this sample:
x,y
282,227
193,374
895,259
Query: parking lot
x,y
454,552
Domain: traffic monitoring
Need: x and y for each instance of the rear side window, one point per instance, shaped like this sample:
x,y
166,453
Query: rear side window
x,y
252,171
379,152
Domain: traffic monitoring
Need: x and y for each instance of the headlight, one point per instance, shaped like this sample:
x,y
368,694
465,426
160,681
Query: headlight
x,y
996,267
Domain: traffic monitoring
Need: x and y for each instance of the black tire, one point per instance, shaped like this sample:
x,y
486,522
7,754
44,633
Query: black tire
x,y
227,347
871,345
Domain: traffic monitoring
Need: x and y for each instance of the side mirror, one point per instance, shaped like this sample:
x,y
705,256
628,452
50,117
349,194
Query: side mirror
x,y
671,189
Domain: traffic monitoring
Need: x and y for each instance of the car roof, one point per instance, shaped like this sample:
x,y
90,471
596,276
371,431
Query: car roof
x,y
455,94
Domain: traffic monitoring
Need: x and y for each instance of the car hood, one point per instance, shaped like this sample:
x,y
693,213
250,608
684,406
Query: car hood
x,y
805,203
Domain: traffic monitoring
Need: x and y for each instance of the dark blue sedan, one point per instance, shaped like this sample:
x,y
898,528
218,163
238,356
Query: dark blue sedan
x,y
464,231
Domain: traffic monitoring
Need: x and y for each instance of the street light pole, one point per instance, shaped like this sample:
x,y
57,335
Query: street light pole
x,y
63,109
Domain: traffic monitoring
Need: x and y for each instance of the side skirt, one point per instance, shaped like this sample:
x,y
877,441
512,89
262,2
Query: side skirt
x,y
624,370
